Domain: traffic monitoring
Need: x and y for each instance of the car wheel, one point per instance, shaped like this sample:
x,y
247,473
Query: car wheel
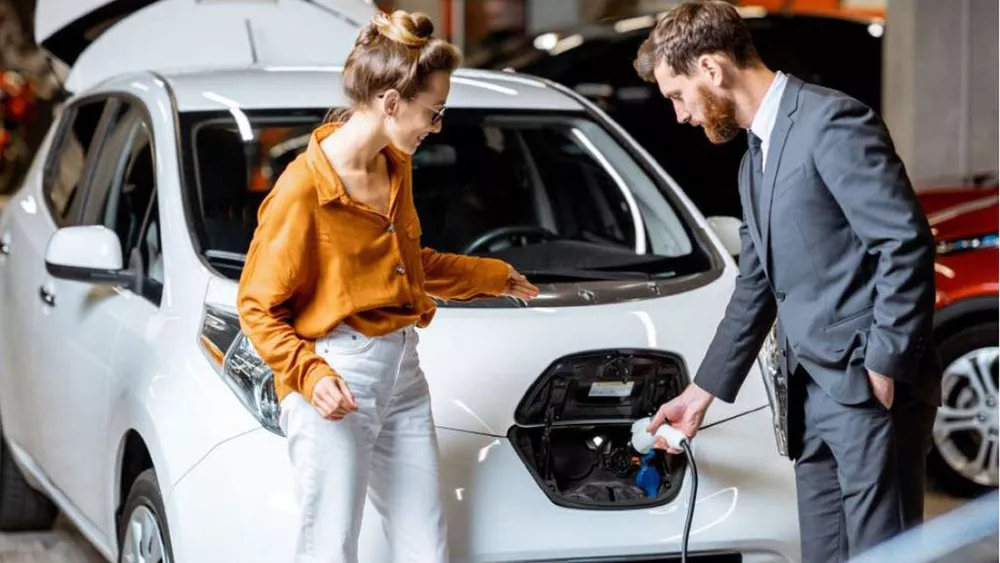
x,y
964,457
142,528
22,507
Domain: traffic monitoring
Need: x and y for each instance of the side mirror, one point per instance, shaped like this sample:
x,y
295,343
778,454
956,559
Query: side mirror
x,y
91,254
728,231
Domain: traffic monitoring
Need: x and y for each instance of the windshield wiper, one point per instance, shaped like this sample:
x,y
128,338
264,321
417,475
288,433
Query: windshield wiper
x,y
553,275
225,256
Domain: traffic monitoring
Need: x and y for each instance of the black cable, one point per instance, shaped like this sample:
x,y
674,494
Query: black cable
x,y
694,496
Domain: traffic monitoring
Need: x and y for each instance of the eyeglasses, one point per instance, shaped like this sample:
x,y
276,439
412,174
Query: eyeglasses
x,y
437,114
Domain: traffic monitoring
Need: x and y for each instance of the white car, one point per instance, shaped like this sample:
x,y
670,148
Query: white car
x,y
130,400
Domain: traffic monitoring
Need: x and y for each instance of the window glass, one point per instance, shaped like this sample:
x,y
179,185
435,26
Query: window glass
x,y
129,205
552,193
65,171
122,195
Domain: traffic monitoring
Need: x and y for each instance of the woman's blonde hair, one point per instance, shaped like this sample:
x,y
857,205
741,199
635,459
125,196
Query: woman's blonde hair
x,y
395,51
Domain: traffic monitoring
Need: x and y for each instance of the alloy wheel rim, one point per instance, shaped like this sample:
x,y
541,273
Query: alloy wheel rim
x,y
965,430
143,539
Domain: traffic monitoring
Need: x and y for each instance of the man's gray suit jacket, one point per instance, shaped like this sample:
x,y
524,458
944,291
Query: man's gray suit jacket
x,y
841,253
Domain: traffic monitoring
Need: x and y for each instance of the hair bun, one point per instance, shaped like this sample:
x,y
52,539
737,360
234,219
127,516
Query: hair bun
x,y
412,30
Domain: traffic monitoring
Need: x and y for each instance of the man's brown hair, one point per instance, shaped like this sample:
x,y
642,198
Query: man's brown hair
x,y
693,29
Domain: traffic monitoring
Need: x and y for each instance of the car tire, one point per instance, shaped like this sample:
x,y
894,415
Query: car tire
x,y
22,507
954,350
142,527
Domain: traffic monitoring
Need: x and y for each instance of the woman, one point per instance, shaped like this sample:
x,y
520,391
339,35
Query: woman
x,y
335,283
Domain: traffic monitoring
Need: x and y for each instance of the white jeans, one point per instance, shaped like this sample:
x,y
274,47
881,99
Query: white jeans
x,y
387,449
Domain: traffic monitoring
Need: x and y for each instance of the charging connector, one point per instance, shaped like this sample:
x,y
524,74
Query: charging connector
x,y
642,442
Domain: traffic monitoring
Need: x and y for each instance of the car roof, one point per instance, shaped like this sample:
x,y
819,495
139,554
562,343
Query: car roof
x,y
290,87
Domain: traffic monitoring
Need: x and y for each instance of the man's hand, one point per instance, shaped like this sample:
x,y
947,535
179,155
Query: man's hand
x,y
684,412
518,285
884,388
333,399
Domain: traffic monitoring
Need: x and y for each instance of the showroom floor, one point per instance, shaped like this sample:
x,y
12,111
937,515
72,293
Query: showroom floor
x,y
65,545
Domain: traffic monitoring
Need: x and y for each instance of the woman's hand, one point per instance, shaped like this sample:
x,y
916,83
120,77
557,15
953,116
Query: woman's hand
x,y
333,399
518,285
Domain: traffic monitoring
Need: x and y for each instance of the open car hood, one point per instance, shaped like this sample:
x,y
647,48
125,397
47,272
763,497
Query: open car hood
x,y
98,39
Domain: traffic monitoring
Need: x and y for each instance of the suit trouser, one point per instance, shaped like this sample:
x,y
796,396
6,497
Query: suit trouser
x,y
386,450
860,470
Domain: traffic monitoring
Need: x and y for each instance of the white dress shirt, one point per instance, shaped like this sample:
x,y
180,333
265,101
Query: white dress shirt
x,y
763,121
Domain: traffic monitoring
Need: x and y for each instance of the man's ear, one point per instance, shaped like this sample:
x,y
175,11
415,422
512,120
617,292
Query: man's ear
x,y
710,67
390,102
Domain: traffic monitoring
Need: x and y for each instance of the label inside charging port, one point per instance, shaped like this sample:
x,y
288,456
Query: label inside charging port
x,y
611,389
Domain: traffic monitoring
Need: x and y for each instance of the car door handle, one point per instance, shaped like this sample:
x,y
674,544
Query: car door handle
x,y
47,296
5,244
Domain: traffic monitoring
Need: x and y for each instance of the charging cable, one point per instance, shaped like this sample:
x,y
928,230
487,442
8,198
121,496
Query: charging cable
x,y
642,442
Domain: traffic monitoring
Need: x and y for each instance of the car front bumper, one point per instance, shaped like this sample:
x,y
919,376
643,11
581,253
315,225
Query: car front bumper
x,y
238,504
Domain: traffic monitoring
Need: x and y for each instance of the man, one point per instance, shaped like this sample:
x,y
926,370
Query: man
x,y
836,247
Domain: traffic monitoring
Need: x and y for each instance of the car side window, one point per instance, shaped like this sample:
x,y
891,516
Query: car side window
x,y
149,253
133,212
123,194
65,171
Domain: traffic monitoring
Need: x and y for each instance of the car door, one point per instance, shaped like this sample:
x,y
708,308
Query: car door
x,y
80,322
50,198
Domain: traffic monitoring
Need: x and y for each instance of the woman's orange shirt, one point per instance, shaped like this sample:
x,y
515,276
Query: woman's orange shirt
x,y
318,259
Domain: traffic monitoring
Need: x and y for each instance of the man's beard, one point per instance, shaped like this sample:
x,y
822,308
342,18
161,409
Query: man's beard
x,y
720,117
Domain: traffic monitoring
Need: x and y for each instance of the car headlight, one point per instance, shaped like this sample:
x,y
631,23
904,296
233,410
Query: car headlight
x,y
239,365
776,385
947,247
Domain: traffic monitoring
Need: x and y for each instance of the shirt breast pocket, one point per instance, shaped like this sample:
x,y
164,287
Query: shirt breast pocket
x,y
412,229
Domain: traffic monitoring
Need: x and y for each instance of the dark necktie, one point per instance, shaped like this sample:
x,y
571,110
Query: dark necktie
x,y
757,173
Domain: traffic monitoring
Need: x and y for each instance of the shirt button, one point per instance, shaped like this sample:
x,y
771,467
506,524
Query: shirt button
x,y
400,269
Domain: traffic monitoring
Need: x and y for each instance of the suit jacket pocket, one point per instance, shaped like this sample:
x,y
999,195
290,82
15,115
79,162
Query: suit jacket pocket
x,y
842,332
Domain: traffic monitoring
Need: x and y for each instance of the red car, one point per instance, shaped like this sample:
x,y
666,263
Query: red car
x,y
965,224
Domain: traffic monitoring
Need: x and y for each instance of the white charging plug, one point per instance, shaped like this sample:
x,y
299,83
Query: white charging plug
x,y
642,440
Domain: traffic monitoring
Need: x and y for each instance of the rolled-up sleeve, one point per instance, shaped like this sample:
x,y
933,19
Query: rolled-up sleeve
x,y
453,276
278,265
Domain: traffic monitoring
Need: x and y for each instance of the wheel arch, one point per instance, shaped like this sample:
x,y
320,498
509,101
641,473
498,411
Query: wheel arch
x,y
133,459
965,313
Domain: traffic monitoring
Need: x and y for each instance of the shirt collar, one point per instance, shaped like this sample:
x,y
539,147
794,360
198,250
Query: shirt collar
x,y
767,113
329,186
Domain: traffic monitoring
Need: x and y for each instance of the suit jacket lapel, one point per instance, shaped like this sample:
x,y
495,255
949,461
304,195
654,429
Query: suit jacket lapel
x,y
782,125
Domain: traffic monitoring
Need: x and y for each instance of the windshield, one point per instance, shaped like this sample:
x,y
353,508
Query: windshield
x,y
553,194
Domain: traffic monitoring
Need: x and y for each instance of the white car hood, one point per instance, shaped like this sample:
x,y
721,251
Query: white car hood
x,y
480,362
99,39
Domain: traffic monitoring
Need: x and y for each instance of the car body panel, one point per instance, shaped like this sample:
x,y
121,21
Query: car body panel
x,y
484,480
319,86
956,213
480,362
959,214
228,33
21,273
